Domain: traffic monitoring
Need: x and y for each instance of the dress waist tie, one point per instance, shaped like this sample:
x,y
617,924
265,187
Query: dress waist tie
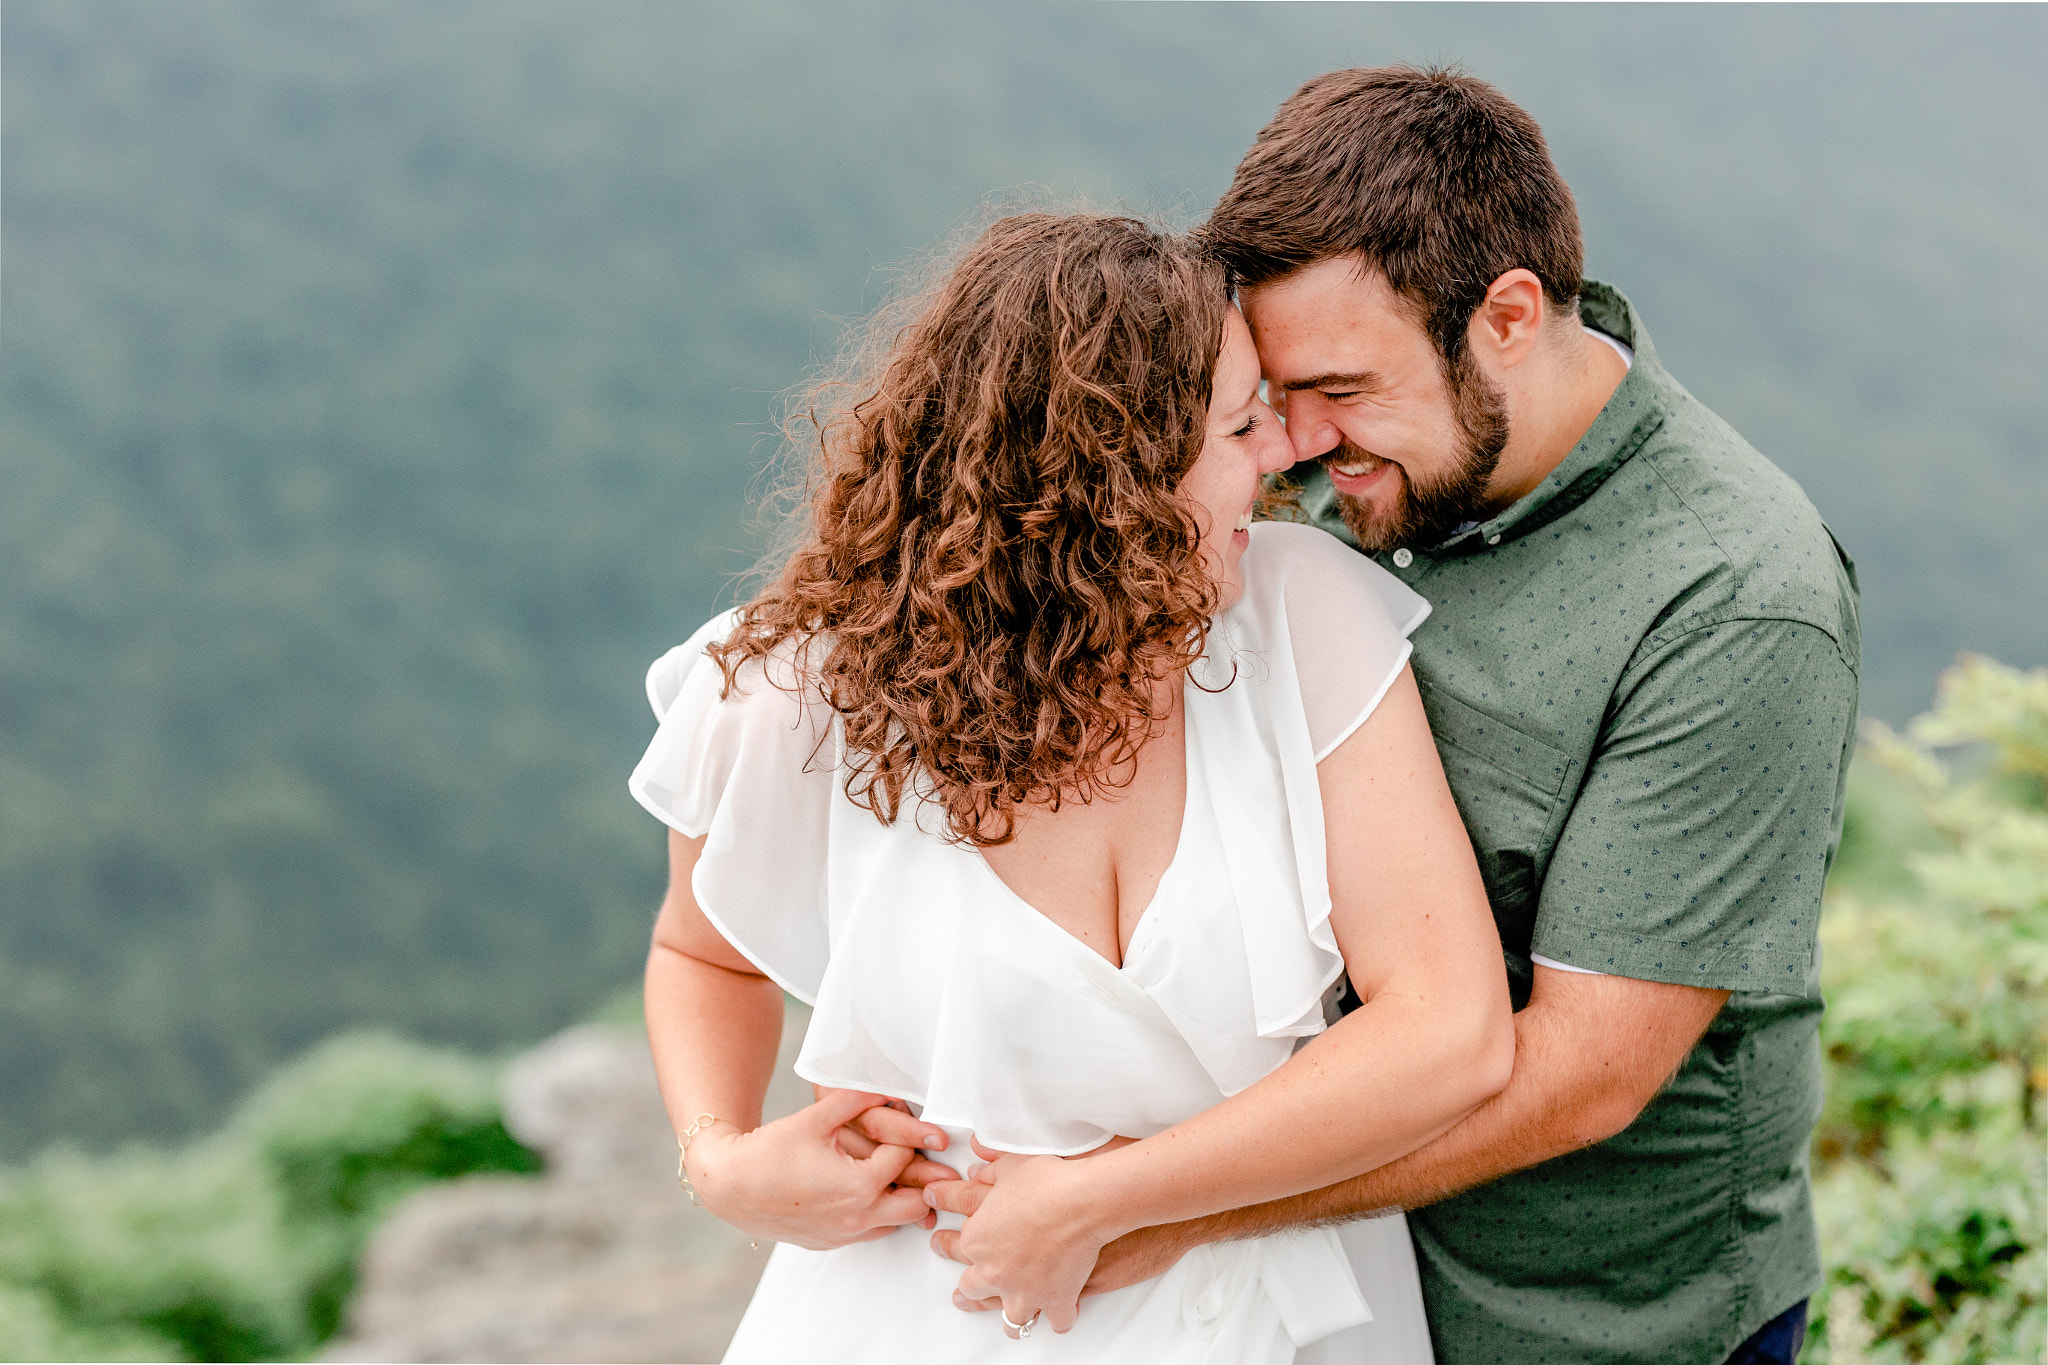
x,y
1305,1274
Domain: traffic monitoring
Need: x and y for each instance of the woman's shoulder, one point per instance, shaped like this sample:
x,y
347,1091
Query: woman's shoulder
x,y
782,671
725,742
1333,624
1307,574
666,675
1296,542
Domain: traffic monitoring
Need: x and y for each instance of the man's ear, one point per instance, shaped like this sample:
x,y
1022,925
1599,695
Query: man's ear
x,y
1509,321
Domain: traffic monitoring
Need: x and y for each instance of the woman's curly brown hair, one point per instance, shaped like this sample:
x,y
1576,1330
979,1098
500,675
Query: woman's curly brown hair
x,y
998,573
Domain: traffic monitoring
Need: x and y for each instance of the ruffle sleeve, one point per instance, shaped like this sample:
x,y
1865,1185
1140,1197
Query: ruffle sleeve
x,y
752,773
1347,623
1299,662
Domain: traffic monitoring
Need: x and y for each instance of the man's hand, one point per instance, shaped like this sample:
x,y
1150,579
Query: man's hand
x,y
1143,1255
792,1181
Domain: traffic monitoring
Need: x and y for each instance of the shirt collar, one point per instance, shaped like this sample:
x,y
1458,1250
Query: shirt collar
x,y
1632,414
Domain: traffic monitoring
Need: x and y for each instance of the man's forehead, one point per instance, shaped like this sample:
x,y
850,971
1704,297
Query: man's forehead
x,y
1331,323
1349,280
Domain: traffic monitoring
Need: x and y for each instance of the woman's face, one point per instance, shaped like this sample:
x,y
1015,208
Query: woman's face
x,y
1245,442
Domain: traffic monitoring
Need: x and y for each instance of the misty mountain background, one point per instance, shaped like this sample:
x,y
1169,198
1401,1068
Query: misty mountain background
x,y
381,388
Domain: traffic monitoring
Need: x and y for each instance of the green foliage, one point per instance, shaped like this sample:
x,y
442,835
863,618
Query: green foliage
x,y
241,1246
1936,1253
362,1120
33,1328
1933,1151
1882,828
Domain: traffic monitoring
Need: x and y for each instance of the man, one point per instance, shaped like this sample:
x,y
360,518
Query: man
x,y
1641,672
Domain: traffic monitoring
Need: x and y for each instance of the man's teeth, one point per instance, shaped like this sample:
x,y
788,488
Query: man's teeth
x,y
1355,468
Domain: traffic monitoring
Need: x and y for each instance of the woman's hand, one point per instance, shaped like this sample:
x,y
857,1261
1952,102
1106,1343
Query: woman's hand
x,y
1134,1257
1030,1243
790,1180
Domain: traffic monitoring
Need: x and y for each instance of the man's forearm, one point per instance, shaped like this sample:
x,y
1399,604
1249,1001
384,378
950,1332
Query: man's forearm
x,y
1590,1052
1477,1150
1563,1096
1489,1144
1414,1180
1494,1140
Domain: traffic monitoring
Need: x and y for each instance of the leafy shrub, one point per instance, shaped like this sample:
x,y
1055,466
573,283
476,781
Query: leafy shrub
x,y
1930,1153
241,1246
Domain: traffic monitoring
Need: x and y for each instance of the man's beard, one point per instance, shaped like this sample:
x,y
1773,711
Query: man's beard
x,y
1429,513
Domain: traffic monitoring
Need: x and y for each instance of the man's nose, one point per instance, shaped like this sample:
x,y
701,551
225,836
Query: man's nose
x,y
1311,433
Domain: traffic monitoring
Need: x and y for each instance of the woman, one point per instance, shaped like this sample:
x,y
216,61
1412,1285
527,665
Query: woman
x,y
1020,774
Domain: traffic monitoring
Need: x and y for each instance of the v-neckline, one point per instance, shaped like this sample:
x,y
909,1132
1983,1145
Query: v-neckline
x,y
1187,807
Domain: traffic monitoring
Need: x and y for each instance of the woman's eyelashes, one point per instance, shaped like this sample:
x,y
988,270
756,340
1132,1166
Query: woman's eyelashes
x,y
1251,425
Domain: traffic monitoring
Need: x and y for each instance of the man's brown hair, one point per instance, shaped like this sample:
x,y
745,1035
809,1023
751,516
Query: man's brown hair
x,y
1438,180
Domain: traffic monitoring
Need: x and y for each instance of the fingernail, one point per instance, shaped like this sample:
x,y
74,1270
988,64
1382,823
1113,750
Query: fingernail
x,y
935,1141
960,1301
931,1200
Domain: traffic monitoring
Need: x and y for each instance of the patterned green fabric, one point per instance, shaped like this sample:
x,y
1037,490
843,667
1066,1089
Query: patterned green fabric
x,y
1642,678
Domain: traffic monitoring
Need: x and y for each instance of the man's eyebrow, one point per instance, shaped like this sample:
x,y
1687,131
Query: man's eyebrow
x,y
1364,379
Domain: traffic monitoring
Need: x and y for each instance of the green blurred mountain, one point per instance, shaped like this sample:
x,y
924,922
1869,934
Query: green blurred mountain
x,y
381,387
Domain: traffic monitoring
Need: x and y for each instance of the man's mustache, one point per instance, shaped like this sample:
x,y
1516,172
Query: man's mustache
x,y
1351,458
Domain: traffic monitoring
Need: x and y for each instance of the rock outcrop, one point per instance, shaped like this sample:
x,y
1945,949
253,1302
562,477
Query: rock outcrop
x,y
602,1259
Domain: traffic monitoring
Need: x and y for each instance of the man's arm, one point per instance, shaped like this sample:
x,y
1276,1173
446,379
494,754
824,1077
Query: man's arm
x,y
1590,1053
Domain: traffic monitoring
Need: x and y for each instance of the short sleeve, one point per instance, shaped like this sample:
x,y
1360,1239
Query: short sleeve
x,y
751,772
1346,622
1698,846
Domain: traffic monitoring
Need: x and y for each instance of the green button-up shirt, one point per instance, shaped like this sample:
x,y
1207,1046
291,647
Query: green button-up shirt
x,y
1642,679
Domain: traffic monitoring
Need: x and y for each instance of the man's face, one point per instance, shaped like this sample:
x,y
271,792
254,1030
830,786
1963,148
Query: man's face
x,y
1410,454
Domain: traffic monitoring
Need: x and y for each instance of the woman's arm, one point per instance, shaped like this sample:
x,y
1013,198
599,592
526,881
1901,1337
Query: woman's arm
x,y
714,1023
1433,1040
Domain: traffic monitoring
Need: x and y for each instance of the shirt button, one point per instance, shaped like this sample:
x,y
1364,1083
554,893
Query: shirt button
x,y
1403,557
1493,540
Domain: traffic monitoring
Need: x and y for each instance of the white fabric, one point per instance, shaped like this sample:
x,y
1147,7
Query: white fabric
x,y
1383,1262
1551,962
932,981
1269,1301
1621,348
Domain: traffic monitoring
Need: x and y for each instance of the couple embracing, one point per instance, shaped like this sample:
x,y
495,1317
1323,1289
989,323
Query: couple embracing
x,y
1382,933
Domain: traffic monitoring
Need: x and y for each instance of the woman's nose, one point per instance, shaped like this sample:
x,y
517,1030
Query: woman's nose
x,y
1277,453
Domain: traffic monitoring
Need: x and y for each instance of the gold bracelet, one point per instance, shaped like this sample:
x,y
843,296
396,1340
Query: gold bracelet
x,y
683,1140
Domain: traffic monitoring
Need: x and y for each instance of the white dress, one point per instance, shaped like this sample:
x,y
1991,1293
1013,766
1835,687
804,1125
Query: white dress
x,y
929,979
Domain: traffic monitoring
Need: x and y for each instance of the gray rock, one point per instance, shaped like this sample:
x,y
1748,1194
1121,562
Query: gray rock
x,y
602,1259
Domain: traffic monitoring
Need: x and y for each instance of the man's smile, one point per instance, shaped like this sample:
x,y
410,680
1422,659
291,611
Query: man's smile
x,y
1358,475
